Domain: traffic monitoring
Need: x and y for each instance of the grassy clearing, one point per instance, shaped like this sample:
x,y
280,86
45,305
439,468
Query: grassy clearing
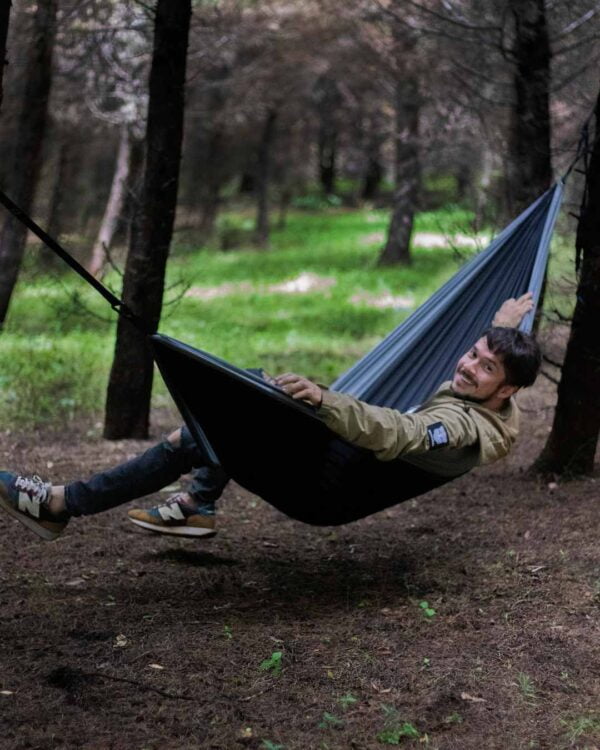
x,y
58,343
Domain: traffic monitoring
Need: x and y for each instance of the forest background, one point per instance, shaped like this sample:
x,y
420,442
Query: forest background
x,y
281,184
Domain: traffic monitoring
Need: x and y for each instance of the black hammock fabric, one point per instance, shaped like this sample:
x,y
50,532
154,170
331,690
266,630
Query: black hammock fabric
x,y
280,450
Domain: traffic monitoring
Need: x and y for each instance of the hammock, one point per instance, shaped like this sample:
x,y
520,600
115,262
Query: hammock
x,y
279,449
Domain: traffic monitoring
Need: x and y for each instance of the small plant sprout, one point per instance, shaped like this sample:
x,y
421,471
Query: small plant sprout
x,y
428,611
582,726
330,721
268,745
347,700
453,718
272,664
396,729
227,632
526,686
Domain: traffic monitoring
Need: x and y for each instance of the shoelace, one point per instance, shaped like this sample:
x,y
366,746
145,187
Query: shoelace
x,y
35,487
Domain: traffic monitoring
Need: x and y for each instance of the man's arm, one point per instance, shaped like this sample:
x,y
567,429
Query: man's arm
x,y
512,311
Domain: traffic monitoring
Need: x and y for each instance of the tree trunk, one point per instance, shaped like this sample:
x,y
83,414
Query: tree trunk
x,y
328,100
530,165
571,445
211,184
327,155
114,205
4,16
263,174
130,385
372,178
408,174
56,210
26,161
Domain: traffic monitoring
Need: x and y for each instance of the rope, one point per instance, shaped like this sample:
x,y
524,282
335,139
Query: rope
x,y
117,305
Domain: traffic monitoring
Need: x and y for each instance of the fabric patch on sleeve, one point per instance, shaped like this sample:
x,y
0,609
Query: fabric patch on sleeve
x,y
437,436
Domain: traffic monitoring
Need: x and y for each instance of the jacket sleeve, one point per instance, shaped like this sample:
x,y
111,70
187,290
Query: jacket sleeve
x,y
389,433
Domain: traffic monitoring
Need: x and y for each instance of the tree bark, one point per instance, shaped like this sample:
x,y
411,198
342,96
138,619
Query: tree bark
x,y
571,445
408,174
327,155
130,385
114,205
328,100
530,165
4,17
263,174
26,162
212,183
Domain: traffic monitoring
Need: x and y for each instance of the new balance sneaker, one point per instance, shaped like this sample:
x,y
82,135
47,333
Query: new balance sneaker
x,y
26,499
176,516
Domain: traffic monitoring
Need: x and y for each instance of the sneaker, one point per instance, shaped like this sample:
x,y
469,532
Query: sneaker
x,y
176,516
26,499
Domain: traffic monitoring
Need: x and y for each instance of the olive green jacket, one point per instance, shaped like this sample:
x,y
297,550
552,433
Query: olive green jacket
x,y
446,435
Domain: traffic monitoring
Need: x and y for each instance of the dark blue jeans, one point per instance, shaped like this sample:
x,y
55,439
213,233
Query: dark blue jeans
x,y
150,472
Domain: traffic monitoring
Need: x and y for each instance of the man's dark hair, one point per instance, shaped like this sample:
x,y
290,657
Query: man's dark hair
x,y
520,352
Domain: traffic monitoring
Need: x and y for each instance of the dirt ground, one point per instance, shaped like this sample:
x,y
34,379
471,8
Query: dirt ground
x,y
465,619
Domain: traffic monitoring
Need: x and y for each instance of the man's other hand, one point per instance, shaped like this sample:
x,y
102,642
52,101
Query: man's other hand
x,y
300,388
512,311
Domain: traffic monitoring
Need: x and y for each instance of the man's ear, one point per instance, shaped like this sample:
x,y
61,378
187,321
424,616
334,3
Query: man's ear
x,y
506,390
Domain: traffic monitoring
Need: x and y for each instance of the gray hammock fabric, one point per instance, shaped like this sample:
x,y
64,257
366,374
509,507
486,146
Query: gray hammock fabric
x,y
411,362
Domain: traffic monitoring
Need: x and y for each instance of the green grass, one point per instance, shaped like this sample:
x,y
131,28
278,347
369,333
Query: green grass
x,y
58,342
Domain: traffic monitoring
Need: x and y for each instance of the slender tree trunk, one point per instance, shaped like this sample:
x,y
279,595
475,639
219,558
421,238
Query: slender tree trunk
x,y
263,174
530,165
374,169
212,183
130,384
571,445
328,100
327,154
114,205
408,174
373,177
4,17
26,161
56,210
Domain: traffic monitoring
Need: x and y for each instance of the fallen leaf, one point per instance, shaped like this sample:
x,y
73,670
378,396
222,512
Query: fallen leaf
x,y
156,666
6,692
472,698
120,641
75,582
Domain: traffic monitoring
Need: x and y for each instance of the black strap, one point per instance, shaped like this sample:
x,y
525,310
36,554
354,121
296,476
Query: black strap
x,y
117,305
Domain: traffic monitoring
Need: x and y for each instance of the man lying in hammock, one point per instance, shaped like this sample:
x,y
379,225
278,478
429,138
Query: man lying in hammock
x,y
470,421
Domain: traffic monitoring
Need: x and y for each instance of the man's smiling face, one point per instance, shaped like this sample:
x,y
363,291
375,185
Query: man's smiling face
x,y
480,376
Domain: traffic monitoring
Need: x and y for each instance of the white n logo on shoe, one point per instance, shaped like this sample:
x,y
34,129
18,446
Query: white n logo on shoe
x,y
27,505
171,512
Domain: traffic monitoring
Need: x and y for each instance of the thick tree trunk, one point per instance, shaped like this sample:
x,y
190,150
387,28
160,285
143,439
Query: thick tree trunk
x,y
408,174
114,205
263,174
530,165
571,445
130,385
26,162
4,16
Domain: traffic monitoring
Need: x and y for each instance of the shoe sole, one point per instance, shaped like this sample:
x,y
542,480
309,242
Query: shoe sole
x,y
191,531
31,523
